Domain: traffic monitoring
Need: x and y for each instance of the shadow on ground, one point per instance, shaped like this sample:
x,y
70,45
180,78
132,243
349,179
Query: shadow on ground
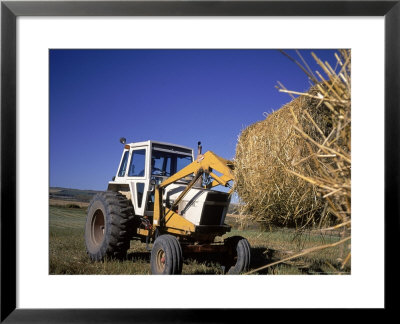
x,y
259,257
136,256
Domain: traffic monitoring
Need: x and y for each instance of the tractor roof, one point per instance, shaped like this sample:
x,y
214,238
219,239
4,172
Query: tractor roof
x,y
149,142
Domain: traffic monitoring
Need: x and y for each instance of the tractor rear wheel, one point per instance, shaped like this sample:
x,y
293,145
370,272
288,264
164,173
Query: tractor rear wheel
x,y
238,255
109,226
166,256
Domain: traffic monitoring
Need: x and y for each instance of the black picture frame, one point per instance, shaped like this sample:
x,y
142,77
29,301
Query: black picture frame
x,y
10,10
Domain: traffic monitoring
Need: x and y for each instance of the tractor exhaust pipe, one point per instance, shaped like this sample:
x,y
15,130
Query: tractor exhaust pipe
x,y
199,147
199,155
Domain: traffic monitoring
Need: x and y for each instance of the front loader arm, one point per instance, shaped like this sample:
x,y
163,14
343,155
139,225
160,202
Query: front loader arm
x,y
205,163
209,162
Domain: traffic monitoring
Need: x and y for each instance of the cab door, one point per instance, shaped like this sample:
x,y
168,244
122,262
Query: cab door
x,y
137,176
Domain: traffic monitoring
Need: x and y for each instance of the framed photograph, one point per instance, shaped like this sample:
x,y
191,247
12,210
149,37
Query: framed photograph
x,y
50,46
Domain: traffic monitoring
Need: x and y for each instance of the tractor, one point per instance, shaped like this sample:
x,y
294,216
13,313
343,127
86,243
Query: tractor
x,y
162,195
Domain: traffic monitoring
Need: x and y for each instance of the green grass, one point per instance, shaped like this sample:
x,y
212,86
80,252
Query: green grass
x,y
68,255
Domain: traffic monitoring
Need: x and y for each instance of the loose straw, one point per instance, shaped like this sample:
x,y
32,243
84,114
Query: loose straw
x,y
304,252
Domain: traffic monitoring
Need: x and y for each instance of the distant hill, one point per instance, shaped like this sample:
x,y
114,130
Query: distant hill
x,y
73,195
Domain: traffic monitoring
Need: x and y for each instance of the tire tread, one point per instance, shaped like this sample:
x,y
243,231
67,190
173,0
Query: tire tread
x,y
119,224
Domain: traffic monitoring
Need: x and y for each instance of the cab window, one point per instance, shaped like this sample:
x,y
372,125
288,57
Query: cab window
x,y
137,167
124,163
139,191
182,161
167,163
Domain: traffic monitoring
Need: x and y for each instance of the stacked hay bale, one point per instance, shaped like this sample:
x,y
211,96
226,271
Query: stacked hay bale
x,y
293,168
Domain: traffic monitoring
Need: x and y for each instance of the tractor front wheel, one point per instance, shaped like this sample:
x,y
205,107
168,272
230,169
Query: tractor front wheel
x,y
238,258
166,256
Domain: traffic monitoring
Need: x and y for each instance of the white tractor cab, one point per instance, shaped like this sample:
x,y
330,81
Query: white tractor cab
x,y
162,195
146,164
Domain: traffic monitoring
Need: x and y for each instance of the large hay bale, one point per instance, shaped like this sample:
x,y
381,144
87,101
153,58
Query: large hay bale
x,y
293,168
263,152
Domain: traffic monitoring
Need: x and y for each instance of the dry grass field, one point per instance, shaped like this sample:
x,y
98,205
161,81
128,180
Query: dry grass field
x,y
67,253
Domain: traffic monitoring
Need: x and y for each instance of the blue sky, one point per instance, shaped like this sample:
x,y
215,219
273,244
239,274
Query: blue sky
x,y
177,96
